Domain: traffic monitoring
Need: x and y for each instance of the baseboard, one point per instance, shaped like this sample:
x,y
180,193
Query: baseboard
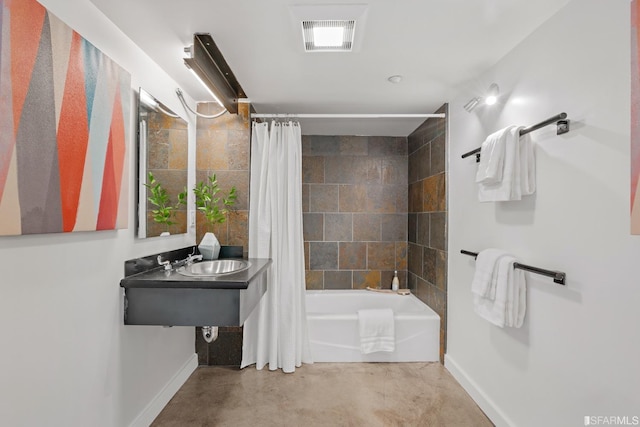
x,y
488,406
153,409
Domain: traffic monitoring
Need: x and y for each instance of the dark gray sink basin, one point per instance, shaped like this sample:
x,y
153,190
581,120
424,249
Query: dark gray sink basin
x,y
214,268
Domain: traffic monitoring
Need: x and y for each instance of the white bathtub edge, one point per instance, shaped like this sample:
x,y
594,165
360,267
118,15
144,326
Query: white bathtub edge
x,y
488,406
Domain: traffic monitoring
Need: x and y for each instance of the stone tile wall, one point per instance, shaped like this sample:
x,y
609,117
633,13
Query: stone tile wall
x,y
427,220
355,200
167,150
222,147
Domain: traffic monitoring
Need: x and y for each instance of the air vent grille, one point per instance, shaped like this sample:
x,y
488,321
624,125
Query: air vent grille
x,y
328,35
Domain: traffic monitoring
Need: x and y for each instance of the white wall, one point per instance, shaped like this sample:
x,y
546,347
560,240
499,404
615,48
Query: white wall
x,y
578,353
66,358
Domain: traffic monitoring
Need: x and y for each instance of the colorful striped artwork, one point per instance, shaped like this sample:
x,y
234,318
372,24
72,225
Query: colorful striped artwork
x,y
64,127
635,118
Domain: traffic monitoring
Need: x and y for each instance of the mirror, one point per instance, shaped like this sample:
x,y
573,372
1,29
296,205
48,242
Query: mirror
x,y
163,143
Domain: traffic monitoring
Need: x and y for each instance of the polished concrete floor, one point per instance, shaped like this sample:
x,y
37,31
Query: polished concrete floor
x,y
323,394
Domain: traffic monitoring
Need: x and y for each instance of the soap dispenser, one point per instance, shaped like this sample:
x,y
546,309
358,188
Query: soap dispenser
x,y
395,283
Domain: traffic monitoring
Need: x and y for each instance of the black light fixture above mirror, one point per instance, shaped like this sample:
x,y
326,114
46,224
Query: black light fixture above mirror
x,y
208,64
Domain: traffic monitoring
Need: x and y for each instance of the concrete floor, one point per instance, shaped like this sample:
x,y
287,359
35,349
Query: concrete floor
x,y
323,394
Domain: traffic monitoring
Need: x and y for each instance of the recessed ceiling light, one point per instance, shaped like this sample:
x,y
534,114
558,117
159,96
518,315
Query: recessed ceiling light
x,y
328,35
395,79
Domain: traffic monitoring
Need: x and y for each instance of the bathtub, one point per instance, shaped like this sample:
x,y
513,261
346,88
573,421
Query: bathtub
x,y
332,321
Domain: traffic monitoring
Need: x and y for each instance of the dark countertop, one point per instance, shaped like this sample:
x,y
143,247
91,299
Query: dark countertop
x,y
159,278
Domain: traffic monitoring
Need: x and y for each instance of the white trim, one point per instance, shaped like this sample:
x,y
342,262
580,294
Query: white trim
x,y
491,410
348,116
157,404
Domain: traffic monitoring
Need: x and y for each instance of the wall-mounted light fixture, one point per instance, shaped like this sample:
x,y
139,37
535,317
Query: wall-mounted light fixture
x,y
490,98
208,65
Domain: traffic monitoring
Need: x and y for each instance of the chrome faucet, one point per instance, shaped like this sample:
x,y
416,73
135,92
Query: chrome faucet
x,y
193,258
166,264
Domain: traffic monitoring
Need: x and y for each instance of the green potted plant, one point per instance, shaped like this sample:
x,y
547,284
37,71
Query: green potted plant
x,y
215,207
164,211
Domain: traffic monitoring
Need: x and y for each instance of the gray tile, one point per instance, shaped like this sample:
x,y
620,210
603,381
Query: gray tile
x,y
338,280
438,155
323,198
412,283
380,199
423,162
321,145
415,197
344,169
438,237
412,227
338,227
313,227
422,291
305,197
314,279
353,198
429,265
414,259
312,169
353,256
381,255
354,145
395,170
394,227
388,146
323,255
423,229
441,270
366,227
402,198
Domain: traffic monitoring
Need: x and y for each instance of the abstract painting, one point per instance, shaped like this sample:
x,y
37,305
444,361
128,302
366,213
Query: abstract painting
x,y
64,127
635,119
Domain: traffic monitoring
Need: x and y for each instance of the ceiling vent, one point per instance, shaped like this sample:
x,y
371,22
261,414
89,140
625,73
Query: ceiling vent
x,y
328,35
330,27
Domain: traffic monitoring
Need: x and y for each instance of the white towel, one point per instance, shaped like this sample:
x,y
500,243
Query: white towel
x,y
492,152
377,331
518,175
485,277
509,305
527,166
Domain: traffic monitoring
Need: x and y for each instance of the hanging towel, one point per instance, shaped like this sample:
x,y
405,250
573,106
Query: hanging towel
x,y
492,152
516,305
518,169
527,166
485,277
509,305
376,328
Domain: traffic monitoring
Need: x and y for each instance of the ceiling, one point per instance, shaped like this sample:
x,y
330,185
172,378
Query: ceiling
x,y
438,46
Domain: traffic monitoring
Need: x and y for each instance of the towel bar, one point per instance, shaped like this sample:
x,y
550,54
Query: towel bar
x,y
558,276
563,127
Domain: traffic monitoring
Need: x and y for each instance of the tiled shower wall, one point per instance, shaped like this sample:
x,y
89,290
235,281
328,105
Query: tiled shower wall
x,y
427,264
222,147
355,199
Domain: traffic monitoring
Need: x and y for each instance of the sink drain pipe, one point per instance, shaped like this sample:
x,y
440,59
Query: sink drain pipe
x,y
210,333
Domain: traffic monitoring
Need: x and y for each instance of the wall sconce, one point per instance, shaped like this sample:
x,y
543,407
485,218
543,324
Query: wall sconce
x,y
208,65
490,99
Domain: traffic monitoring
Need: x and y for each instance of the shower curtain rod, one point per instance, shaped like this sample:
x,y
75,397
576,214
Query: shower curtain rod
x,y
346,116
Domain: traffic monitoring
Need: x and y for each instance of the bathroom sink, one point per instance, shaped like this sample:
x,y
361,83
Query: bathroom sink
x,y
216,267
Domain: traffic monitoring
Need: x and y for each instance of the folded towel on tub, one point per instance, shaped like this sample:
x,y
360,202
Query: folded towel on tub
x,y
377,332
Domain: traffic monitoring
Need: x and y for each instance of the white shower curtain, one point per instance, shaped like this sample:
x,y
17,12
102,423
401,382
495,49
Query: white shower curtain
x,y
276,331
